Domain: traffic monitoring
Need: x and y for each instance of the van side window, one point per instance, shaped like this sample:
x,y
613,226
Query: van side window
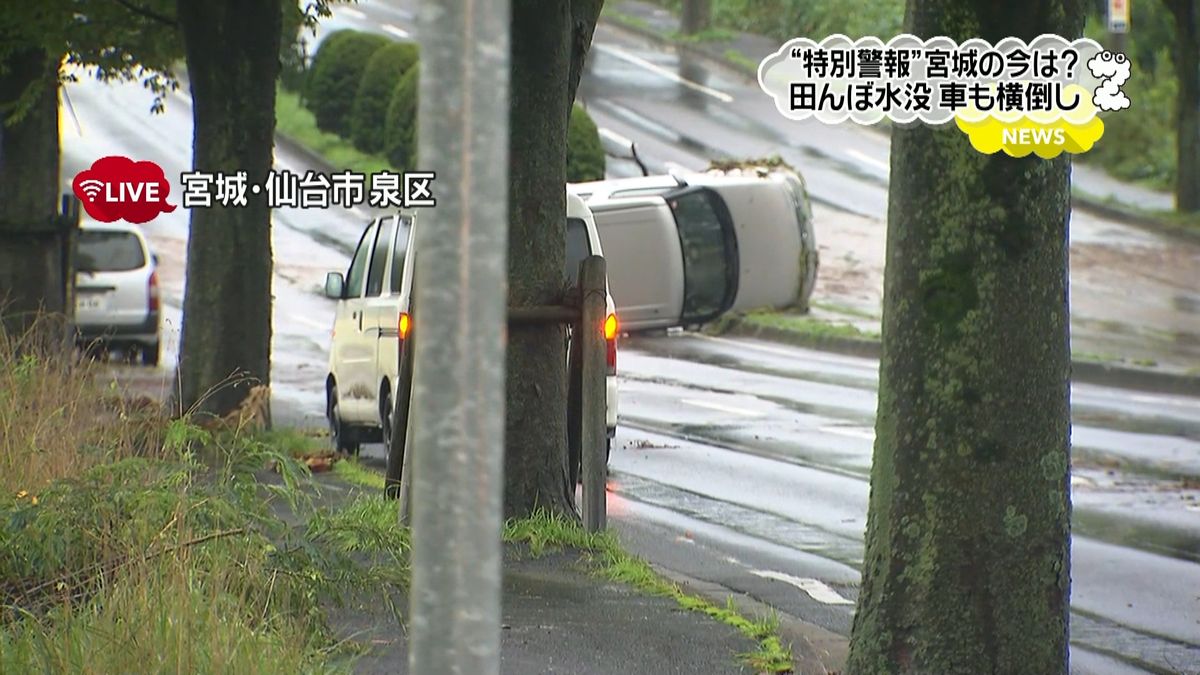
x,y
358,266
578,248
397,276
379,259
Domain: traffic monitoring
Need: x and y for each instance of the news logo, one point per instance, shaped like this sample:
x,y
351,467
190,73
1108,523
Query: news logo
x,y
118,188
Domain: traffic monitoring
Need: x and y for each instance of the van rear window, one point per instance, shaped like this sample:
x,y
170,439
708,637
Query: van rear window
x,y
578,249
109,252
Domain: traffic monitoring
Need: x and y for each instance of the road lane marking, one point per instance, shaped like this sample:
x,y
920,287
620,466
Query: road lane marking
x,y
867,159
853,432
722,408
816,590
395,30
184,96
659,70
353,13
614,136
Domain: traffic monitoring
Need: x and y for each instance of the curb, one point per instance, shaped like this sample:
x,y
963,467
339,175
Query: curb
x,y
1091,372
815,649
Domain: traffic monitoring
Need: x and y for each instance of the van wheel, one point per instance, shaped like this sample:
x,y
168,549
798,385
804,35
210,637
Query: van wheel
x,y
149,354
385,420
339,435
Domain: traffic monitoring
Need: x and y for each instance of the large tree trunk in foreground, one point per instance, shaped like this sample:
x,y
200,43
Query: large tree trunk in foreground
x,y
232,49
32,274
1187,128
966,567
549,41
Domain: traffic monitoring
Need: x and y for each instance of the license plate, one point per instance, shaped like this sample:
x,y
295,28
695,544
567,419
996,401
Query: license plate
x,y
89,303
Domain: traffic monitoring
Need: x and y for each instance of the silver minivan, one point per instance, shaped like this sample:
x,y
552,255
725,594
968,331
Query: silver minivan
x,y
116,290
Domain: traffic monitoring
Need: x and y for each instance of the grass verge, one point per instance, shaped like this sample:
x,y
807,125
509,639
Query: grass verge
x,y
806,325
294,121
132,542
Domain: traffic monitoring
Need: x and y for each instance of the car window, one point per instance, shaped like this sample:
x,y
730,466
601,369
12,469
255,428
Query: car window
x,y
709,257
109,252
358,267
578,249
379,259
397,275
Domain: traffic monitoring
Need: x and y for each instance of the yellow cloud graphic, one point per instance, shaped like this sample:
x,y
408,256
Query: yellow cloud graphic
x,y
1019,133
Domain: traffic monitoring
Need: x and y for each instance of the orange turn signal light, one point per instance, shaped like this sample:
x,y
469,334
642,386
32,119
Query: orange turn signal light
x,y
405,325
610,327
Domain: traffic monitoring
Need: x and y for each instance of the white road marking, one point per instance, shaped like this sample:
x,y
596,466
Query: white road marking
x,y
614,136
184,96
353,13
721,407
816,590
854,432
659,70
867,159
300,318
395,30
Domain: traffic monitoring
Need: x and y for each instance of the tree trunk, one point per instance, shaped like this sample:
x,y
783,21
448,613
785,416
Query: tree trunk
x,y
966,567
32,273
1187,69
232,49
535,465
696,16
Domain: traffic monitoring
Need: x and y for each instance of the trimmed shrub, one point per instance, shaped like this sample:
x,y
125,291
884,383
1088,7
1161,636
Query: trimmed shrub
x,y
585,154
333,81
369,113
400,129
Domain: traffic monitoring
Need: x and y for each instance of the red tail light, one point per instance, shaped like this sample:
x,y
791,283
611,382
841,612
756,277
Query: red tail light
x,y
611,328
152,291
404,325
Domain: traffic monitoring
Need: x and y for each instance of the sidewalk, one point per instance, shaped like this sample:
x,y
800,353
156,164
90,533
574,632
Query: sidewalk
x,y
557,617
1094,190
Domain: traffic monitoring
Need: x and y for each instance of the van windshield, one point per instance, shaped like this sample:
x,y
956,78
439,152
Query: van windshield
x,y
578,249
109,252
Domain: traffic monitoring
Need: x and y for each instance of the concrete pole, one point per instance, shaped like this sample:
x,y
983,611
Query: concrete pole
x,y
593,433
458,387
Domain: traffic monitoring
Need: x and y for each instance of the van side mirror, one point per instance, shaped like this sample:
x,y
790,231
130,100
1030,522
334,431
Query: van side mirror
x,y
335,285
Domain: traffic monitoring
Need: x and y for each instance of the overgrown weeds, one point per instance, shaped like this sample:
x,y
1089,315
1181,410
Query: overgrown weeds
x,y
131,544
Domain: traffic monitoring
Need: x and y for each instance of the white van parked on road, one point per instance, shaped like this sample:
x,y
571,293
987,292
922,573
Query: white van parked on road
x,y
369,376
116,290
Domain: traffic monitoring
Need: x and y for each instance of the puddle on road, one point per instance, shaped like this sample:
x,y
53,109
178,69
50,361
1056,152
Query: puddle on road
x,y
1121,531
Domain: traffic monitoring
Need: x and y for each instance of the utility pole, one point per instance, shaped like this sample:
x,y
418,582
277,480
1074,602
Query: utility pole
x,y
458,383
592,276
1118,24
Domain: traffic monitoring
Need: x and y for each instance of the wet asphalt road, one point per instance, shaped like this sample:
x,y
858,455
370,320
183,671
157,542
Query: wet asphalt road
x,y
741,462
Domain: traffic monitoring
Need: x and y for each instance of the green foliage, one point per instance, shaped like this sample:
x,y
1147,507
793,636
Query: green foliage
x,y
186,562
1139,143
585,154
121,43
336,72
297,123
379,80
400,128
292,48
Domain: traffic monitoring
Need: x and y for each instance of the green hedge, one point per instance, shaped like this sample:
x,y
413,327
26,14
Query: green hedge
x,y
336,72
379,79
400,127
585,154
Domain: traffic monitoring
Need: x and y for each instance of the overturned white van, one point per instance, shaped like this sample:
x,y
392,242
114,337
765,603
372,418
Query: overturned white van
x,y
683,249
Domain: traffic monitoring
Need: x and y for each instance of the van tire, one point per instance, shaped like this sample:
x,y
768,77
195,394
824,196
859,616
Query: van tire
x,y
340,436
149,354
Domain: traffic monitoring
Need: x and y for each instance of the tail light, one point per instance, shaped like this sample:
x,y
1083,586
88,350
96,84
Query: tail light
x,y
611,327
152,291
404,325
